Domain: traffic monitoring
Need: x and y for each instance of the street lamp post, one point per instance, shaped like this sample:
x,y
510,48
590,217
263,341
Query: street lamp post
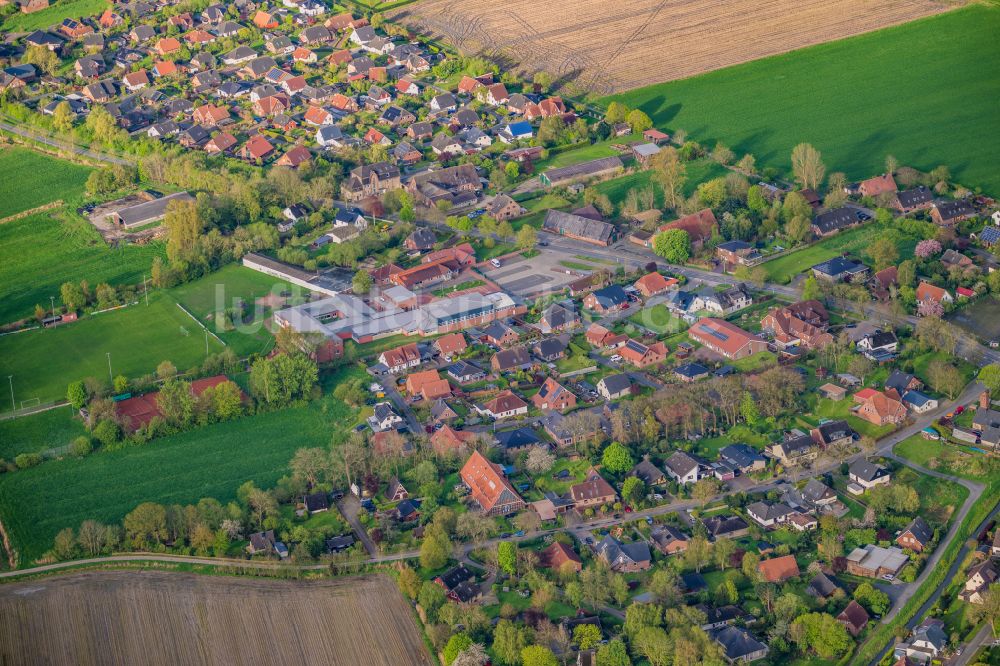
x,y
52,310
13,406
110,375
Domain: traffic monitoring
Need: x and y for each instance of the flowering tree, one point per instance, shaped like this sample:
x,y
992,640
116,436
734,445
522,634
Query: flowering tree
x,y
927,248
930,309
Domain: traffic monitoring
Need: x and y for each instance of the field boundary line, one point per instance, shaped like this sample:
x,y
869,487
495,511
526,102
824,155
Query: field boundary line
x,y
37,209
20,330
206,328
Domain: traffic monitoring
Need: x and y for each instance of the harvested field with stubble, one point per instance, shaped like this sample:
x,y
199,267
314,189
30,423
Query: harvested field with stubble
x,y
152,618
603,48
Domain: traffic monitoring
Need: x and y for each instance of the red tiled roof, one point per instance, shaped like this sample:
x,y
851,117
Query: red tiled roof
x,y
779,569
487,482
141,409
451,343
699,226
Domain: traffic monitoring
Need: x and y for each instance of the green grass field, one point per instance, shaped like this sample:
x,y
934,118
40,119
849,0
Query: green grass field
x,y
40,252
56,12
785,267
212,294
585,153
206,462
32,179
51,429
924,92
44,361
698,171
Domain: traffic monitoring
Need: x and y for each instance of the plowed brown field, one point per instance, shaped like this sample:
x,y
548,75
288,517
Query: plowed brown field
x,y
606,47
154,618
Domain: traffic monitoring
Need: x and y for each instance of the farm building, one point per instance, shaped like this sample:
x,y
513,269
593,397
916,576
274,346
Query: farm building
x,y
605,166
146,212
578,227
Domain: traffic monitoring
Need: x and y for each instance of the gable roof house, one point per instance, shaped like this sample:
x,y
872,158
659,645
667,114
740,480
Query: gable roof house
x,y
669,540
738,645
832,221
794,450
553,395
789,330
401,358
607,299
700,227
868,474
256,148
873,187
682,467
511,360
743,457
641,355
505,405
593,491
918,198
726,338
878,408
779,569
558,317
559,557
841,269
655,283
623,557
916,536
947,213
578,227
489,486
929,293
616,386
854,617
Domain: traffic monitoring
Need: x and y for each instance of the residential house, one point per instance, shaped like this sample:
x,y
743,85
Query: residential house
x,y
266,543
560,557
613,387
669,540
912,200
742,457
371,180
725,526
316,502
384,418
623,557
641,355
928,293
725,338
833,433
256,148
464,372
489,486
428,385
401,358
502,207
593,492
500,334
794,450
553,395
879,346
578,227
854,617
868,474
789,330
505,405
558,317
511,360
700,227
738,253
648,473
980,578
949,213
691,372
841,269
878,408
654,283
516,440
683,468
447,440
779,569
738,645
451,344
916,536
769,514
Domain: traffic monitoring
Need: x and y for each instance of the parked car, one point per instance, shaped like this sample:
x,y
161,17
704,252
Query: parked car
x,y
495,263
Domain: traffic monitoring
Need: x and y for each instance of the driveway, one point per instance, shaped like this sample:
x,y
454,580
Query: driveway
x,y
350,509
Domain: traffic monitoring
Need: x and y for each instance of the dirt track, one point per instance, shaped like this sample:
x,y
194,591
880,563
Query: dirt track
x,y
607,47
153,618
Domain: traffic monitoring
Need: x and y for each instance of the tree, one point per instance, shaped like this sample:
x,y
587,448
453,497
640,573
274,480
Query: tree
x,y
227,401
507,557
891,164
821,633
309,464
654,644
64,546
81,446
616,458
107,432
945,377
526,237
435,549
749,410
633,489
872,598
613,653
723,551
408,581
176,402
722,153
508,641
362,282
92,537
810,289
76,394
670,173
184,228
883,252
72,296
62,117
616,113
705,489
674,245
797,229
586,636
989,609
926,249
539,460
712,193
431,598
696,555
165,370
456,644
638,121
807,165
146,525
989,375
906,273
538,655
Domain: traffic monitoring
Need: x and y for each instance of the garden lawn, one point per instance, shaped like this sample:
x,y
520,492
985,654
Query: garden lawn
x,y
586,153
212,461
138,338
785,267
40,252
208,297
32,179
891,91
658,319
55,13
698,171
51,429
841,409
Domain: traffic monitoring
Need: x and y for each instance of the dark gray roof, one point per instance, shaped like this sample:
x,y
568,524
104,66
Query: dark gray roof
x,y
740,455
920,530
560,222
737,643
866,470
150,210
617,383
914,197
835,219
515,439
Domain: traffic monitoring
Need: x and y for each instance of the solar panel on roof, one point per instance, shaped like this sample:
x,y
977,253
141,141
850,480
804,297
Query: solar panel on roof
x,y
718,335
990,235
636,347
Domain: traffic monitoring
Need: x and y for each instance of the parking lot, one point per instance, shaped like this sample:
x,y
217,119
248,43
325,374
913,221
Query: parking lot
x,y
535,276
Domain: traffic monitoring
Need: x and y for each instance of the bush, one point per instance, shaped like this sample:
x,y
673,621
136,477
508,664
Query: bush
x,y
26,460
81,446
107,432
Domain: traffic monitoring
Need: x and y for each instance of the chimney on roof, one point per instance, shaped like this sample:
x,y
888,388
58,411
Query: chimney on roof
x,y
984,399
